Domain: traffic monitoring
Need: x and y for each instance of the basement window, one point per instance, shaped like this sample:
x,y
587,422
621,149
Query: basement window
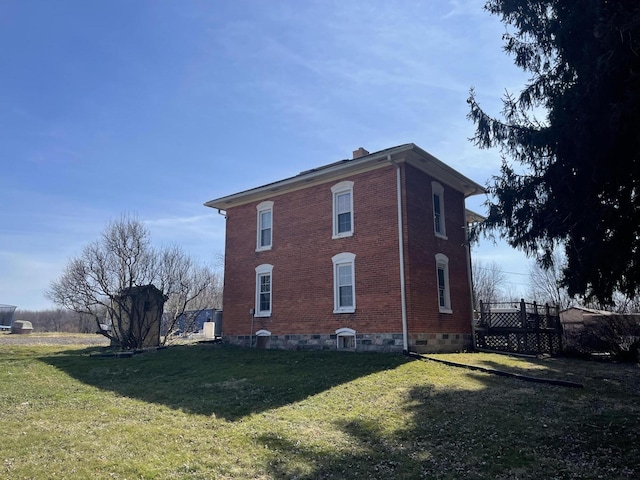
x,y
263,339
345,339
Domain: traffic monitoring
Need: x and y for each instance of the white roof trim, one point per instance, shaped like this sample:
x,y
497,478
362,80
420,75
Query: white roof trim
x,y
408,153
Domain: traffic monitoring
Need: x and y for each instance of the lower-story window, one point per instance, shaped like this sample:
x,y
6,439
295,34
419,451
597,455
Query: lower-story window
x,y
263,290
344,294
442,272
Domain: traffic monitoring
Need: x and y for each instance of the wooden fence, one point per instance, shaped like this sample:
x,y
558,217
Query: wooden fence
x,y
525,328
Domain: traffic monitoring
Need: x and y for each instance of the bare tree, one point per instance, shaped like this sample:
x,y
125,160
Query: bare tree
x,y
488,283
545,283
84,323
620,303
123,259
190,288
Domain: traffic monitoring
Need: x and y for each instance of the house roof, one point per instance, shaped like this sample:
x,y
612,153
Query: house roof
x,y
407,153
587,311
473,217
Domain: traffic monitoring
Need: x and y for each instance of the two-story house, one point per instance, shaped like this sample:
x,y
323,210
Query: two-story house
x,y
369,253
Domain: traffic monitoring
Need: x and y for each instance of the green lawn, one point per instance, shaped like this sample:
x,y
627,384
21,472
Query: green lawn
x,y
209,411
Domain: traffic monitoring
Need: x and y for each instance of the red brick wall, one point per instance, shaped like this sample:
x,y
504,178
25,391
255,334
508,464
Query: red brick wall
x,y
302,247
302,280
423,245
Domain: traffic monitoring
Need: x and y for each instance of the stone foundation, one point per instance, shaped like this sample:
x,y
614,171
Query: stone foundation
x,y
440,342
364,342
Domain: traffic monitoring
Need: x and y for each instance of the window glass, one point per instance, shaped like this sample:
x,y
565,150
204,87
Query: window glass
x,y
265,293
441,287
342,209
265,229
436,213
442,273
439,225
265,226
344,295
345,285
263,290
343,202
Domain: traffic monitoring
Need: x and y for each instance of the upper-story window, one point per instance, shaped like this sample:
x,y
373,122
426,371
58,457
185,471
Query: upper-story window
x,y
263,290
438,210
442,272
344,293
265,225
342,209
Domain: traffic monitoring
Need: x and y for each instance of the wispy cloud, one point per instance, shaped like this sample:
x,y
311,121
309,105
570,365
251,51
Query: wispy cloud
x,y
174,104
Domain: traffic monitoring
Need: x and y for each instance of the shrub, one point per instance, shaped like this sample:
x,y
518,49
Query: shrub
x,y
617,335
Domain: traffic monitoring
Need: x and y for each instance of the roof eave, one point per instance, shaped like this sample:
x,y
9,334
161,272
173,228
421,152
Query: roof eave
x,y
409,153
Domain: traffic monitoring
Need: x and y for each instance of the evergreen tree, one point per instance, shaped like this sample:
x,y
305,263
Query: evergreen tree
x,y
571,178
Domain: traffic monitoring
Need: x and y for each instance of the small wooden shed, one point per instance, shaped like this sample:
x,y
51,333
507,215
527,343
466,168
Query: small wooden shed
x,y
137,316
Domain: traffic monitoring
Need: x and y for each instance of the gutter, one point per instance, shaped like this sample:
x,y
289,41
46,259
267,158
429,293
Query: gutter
x,y
403,299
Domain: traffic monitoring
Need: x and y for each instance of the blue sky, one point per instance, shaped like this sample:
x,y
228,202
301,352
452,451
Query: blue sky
x,y
154,107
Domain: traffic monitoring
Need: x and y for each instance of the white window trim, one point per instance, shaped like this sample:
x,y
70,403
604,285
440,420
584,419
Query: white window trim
x,y
263,333
437,189
345,258
442,262
345,332
337,189
261,270
263,208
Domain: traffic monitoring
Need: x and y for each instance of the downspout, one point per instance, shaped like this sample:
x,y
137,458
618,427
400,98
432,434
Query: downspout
x,y
468,254
403,300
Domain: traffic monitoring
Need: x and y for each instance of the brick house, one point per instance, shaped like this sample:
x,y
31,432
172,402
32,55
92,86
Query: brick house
x,y
369,253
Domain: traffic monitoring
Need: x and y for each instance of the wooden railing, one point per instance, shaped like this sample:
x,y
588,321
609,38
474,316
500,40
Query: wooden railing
x,y
518,327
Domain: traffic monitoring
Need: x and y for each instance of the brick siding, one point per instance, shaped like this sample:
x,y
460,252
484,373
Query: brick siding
x,y
302,278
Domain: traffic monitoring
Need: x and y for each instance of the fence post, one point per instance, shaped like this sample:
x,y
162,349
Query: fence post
x,y
522,336
557,326
482,319
536,325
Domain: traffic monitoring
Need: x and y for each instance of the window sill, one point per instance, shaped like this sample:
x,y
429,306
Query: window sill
x,y
342,235
263,315
345,310
263,249
446,310
439,235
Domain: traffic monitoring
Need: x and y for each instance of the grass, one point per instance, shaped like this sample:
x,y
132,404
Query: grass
x,y
205,411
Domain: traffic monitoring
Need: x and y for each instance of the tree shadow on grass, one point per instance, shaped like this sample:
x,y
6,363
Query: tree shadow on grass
x,y
580,371
440,422
507,429
220,380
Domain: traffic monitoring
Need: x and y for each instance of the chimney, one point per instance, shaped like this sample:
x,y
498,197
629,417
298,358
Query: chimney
x,y
361,152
